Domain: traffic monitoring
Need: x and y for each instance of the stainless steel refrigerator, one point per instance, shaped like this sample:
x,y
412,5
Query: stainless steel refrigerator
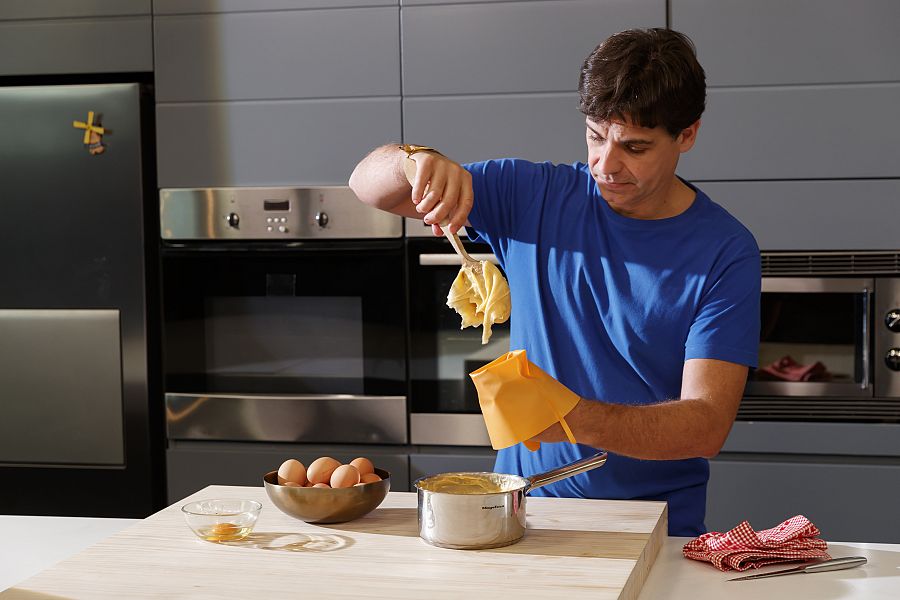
x,y
80,417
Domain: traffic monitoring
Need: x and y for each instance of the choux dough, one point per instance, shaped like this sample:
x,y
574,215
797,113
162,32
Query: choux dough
x,y
480,298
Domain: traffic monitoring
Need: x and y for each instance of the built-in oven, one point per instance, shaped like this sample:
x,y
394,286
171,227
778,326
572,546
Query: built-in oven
x,y
443,402
829,340
284,317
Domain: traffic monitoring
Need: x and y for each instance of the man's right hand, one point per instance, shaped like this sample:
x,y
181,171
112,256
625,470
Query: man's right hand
x,y
441,191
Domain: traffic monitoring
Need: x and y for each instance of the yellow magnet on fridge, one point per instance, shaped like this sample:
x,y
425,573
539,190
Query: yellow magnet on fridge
x,y
88,127
519,400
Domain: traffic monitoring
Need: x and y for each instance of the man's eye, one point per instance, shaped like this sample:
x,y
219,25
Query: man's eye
x,y
636,150
596,138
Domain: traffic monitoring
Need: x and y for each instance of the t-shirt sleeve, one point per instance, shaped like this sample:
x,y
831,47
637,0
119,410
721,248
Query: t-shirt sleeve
x,y
726,326
503,191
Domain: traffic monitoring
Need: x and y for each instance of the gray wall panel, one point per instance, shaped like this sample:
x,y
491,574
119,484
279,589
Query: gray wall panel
x,y
58,9
298,54
851,502
801,41
115,44
814,215
810,132
511,46
176,7
536,127
313,142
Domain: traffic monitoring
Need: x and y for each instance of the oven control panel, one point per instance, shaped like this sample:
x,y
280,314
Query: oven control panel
x,y
271,214
887,337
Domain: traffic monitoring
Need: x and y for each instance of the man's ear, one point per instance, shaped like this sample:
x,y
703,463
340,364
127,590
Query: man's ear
x,y
688,136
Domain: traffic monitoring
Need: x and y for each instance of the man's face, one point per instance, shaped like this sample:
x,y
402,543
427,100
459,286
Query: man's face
x,y
633,166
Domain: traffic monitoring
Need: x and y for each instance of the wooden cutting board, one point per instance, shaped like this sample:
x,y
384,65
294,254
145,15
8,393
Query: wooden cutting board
x,y
573,548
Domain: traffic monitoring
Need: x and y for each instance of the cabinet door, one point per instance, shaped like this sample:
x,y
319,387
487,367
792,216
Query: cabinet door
x,y
772,42
503,47
191,466
813,215
189,7
797,132
848,500
270,143
60,37
333,53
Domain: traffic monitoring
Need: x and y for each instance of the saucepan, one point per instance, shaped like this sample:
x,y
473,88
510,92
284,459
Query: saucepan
x,y
472,511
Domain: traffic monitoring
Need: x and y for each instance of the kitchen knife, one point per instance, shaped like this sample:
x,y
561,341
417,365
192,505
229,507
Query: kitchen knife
x,y
829,565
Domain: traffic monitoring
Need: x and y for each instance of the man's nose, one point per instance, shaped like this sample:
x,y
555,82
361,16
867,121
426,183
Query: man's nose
x,y
609,161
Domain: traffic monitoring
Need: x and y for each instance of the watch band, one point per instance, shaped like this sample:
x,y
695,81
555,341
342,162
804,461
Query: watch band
x,y
411,149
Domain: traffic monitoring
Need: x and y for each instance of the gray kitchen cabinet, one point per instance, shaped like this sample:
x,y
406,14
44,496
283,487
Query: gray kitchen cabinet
x,y
535,127
814,215
273,97
334,53
850,499
52,37
491,79
803,132
175,7
430,460
63,9
191,466
270,143
507,47
773,42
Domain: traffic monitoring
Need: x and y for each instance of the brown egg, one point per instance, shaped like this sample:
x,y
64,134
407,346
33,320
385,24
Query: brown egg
x,y
292,484
344,476
320,470
363,465
369,478
292,470
322,485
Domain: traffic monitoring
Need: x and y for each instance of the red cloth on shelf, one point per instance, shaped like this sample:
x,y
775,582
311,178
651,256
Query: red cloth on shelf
x,y
743,548
788,369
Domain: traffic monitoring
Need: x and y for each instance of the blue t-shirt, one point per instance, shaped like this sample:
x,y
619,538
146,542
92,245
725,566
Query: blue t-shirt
x,y
612,307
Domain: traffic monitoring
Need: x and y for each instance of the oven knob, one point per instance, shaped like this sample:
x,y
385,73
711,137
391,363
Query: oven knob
x,y
892,359
892,320
233,220
322,219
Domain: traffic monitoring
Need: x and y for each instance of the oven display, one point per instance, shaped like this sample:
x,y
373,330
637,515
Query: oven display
x,y
279,205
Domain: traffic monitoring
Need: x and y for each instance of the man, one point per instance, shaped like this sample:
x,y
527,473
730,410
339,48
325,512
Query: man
x,y
628,284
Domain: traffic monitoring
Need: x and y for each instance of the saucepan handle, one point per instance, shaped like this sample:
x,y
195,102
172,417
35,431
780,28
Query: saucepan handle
x,y
565,471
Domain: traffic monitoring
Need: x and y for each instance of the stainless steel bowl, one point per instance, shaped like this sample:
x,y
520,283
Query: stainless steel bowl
x,y
320,505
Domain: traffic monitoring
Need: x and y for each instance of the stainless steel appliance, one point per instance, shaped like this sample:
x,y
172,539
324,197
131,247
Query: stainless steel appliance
x,y
81,430
443,403
284,317
829,340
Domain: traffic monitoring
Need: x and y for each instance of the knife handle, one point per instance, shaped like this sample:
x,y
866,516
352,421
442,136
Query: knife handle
x,y
836,564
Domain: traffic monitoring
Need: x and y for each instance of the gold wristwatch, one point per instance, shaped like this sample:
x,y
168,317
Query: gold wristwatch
x,y
411,149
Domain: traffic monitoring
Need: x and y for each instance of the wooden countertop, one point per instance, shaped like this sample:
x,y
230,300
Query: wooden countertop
x,y
573,548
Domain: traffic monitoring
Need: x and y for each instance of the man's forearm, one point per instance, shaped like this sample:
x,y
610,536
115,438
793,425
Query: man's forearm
x,y
379,179
666,431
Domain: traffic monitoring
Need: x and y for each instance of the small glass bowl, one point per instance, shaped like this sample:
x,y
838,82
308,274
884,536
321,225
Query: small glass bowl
x,y
221,520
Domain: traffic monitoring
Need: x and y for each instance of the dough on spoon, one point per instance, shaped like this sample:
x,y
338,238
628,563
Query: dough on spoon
x,y
480,298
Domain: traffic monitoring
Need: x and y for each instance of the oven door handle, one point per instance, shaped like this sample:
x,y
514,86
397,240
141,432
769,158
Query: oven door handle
x,y
449,260
867,333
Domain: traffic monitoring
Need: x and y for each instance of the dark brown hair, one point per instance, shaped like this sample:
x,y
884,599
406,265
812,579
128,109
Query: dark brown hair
x,y
650,76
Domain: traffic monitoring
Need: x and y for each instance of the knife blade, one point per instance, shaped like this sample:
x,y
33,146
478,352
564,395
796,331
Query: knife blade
x,y
835,564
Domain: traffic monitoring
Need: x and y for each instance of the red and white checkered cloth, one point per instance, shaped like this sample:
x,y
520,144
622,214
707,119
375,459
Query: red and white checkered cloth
x,y
742,548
